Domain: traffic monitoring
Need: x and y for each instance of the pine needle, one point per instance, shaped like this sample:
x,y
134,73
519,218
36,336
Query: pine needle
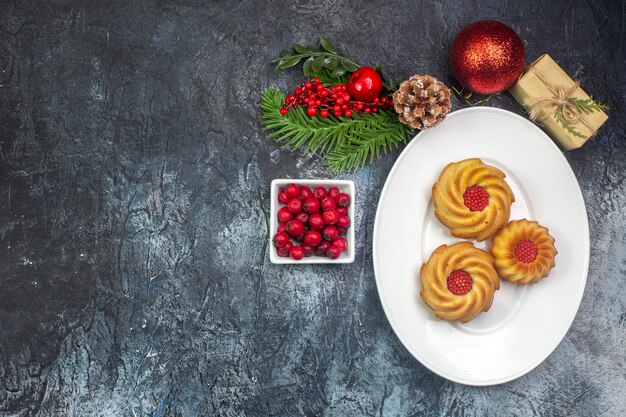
x,y
349,142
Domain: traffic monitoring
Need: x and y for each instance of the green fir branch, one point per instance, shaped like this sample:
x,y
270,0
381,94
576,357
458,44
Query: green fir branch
x,y
558,115
588,105
349,142
370,144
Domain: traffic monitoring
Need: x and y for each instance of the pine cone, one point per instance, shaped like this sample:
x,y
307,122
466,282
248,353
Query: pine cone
x,y
422,101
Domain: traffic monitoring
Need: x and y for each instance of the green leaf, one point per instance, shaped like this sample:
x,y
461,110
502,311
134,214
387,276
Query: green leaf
x,y
307,69
301,49
326,45
379,67
285,53
317,63
338,72
350,66
330,63
287,62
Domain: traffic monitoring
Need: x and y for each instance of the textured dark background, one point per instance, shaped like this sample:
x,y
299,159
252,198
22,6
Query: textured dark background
x,y
134,199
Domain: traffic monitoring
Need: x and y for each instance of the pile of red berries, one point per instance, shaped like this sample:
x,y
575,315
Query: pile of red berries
x,y
321,100
316,220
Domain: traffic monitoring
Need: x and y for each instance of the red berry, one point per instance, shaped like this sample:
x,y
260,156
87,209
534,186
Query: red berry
x,y
308,250
296,252
284,215
280,239
324,113
328,203
337,113
330,233
334,192
333,252
283,111
283,197
343,199
367,110
316,80
312,238
308,85
283,251
316,222
342,210
311,111
319,88
281,228
340,101
294,206
347,113
342,231
330,216
341,243
303,217
297,91
343,221
475,198
311,205
459,282
319,192
292,190
305,192
526,251
295,227
320,250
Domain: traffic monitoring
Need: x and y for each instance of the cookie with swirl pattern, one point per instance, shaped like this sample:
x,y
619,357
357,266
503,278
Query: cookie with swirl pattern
x,y
472,199
458,281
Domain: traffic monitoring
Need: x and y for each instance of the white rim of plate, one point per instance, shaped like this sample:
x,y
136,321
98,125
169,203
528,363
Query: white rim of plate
x,y
423,360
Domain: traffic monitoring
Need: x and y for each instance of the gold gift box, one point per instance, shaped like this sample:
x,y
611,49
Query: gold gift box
x,y
533,86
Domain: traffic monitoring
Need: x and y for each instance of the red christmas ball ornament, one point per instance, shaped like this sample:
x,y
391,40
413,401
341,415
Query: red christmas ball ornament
x,y
487,57
365,84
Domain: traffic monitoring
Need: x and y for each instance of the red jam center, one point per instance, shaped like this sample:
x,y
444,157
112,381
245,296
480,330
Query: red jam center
x,y
460,282
475,198
526,251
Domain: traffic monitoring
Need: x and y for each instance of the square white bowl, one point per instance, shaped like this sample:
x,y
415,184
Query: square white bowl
x,y
345,186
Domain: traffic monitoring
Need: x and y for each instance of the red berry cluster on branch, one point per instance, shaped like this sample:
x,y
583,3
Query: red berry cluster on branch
x,y
322,100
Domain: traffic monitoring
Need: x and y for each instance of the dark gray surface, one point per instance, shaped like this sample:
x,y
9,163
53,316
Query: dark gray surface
x,y
134,181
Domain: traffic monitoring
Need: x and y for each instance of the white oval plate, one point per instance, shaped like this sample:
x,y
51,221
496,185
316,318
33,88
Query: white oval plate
x,y
525,323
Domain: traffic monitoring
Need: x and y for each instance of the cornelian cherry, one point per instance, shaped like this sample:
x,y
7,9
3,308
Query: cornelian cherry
x,y
316,222
292,190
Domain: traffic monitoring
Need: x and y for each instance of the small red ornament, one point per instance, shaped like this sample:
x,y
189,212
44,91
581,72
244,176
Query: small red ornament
x,y
487,57
365,84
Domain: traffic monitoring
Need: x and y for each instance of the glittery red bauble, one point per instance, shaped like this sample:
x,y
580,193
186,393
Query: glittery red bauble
x,y
487,57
